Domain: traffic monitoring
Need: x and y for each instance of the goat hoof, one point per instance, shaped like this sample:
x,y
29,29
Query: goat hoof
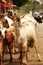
x,y
11,60
39,60
24,63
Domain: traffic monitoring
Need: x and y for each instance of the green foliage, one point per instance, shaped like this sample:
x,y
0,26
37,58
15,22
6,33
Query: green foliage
x,y
19,2
24,6
27,7
31,5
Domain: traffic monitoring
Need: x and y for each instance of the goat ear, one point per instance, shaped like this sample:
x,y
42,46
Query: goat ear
x,y
18,18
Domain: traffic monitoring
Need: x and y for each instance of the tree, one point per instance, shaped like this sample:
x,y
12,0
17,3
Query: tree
x,y
19,2
24,6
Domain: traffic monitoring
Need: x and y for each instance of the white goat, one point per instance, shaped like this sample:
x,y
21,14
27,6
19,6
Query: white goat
x,y
26,31
30,24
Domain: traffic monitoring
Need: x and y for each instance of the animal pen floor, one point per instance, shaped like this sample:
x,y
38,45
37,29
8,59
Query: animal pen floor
x,y
32,58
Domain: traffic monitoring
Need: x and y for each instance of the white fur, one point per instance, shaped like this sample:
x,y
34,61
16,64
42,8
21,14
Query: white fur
x,y
30,24
27,31
2,29
10,21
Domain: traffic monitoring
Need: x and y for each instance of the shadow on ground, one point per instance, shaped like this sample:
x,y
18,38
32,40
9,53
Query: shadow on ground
x,y
14,62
